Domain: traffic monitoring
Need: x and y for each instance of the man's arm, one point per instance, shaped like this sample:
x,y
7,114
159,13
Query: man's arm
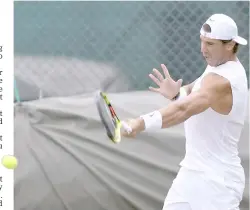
x,y
215,92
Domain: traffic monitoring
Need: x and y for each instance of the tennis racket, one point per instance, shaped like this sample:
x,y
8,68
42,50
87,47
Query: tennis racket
x,y
109,118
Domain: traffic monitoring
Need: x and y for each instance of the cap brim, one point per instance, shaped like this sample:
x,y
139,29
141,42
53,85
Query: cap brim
x,y
240,40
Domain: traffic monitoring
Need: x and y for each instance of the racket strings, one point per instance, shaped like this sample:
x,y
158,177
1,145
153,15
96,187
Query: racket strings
x,y
109,117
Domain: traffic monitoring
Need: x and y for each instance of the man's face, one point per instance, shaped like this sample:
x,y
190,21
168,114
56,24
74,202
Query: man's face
x,y
214,51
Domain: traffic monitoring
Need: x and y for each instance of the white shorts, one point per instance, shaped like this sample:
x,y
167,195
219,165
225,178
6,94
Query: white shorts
x,y
177,206
193,190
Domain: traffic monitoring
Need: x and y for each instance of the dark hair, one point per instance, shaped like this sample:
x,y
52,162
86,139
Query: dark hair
x,y
236,46
207,29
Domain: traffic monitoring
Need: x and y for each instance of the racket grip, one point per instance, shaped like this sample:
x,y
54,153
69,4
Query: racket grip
x,y
126,127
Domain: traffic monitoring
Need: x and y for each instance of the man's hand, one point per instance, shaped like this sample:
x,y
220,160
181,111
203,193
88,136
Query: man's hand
x,y
137,125
167,86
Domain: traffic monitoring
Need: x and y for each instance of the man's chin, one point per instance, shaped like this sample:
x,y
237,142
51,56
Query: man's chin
x,y
209,62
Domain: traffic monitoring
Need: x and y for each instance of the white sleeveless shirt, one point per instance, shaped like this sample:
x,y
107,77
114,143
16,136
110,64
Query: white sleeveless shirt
x,y
212,138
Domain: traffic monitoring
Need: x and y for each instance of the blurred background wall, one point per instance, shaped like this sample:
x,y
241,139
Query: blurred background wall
x,y
69,48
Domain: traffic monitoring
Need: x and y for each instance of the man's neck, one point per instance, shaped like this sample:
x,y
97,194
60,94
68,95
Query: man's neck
x,y
231,57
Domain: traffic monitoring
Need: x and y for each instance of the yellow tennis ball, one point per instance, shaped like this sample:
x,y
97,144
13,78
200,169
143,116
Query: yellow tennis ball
x,y
9,162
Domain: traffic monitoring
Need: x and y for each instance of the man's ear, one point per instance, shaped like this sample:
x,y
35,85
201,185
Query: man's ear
x,y
230,45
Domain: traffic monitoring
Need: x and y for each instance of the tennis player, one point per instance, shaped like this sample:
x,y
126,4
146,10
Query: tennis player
x,y
213,109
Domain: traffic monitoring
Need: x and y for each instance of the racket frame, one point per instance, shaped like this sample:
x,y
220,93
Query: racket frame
x,y
116,138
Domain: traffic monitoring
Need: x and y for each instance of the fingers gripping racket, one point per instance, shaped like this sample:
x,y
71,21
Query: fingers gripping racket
x,y
109,118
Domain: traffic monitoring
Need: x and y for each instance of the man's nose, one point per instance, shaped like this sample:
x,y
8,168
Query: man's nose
x,y
203,48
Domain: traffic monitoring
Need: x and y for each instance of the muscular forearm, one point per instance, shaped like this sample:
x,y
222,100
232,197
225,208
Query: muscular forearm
x,y
179,111
174,114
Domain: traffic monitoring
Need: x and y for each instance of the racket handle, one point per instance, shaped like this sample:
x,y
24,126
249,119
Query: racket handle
x,y
126,127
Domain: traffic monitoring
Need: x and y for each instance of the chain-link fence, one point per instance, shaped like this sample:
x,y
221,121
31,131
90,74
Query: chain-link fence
x,y
67,48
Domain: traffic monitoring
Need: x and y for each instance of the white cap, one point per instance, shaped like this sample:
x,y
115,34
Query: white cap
x,y
223,28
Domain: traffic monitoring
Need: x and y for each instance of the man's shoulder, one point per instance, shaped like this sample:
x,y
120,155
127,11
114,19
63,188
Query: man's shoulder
x,y
231,65
230,69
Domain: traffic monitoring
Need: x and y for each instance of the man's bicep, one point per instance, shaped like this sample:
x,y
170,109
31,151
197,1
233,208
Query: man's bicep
x,y
219,92
215,85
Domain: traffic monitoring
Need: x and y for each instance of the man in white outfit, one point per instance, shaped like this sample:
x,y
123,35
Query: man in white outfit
x,y
213,109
